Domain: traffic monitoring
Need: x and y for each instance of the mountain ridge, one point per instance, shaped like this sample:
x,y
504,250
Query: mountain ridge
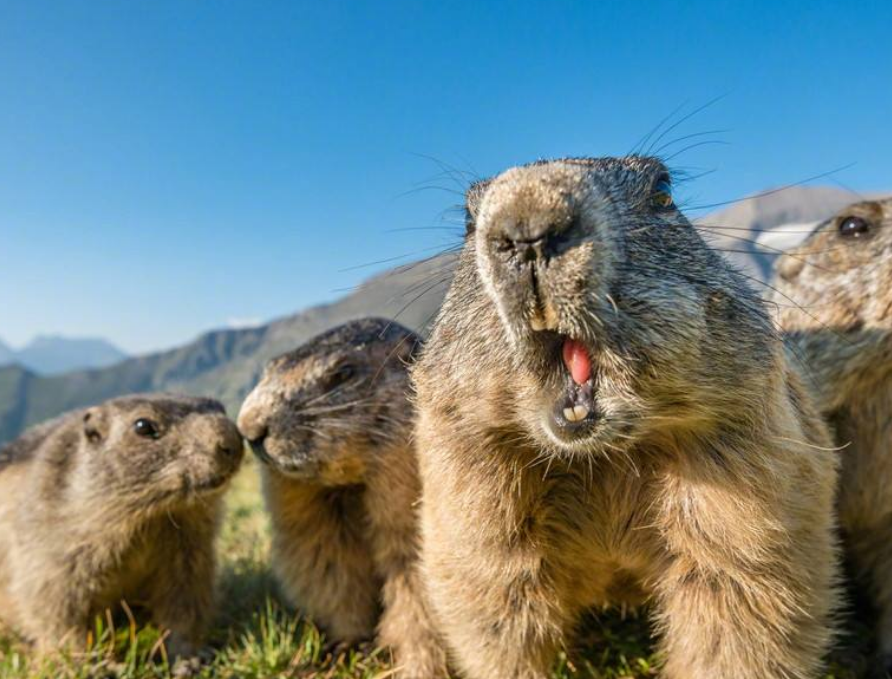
x,y
7,355
225,363
56,354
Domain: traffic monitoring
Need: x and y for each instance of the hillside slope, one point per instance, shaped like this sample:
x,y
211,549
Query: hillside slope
x,y
222,363
7,355
225,363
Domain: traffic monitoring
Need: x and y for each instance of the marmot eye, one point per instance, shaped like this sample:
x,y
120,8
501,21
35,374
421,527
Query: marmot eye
x,y
662,194
146,428
345,373
853,227
470,224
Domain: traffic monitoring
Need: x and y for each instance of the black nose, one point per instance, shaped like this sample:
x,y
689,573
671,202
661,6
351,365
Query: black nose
x,y
530,250
229,450
524,248
258,447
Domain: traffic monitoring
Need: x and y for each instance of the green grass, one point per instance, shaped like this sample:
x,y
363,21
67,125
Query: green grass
x,y
256,637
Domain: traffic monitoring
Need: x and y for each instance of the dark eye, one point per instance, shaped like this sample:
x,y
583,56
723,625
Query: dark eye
x,y
853,227
343,374
662,195
470,225
146,428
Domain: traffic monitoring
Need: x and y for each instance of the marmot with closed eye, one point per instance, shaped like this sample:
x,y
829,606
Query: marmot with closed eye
x,y
120,501
332,423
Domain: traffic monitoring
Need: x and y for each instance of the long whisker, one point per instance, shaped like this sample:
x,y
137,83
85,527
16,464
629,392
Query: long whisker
x,y
388,260
677,140
683,120
637,149
769,248
691,147
780,189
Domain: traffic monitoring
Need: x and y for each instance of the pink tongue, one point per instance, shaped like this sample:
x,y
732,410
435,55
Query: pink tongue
x,y
577,361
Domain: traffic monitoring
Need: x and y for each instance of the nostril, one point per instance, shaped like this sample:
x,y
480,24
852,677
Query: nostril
x,y
227,450
231,445
504,245
527,252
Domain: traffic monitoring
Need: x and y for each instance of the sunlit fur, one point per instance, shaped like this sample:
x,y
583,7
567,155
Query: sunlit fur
x,y
332,422
834,299
91,513
706,486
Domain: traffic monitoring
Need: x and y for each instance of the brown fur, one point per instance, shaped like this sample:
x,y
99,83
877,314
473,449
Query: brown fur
x,y
702,479
332,422
834,296
91,513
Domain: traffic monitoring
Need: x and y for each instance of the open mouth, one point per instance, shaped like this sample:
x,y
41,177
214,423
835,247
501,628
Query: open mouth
x,y
260,453
575,411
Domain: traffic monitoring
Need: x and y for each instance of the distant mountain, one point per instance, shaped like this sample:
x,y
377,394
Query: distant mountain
x,y
222,363
226,363
737,230
53,355
7,355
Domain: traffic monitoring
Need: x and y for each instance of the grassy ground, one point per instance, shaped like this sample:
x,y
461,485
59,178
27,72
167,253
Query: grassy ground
x,y
256,638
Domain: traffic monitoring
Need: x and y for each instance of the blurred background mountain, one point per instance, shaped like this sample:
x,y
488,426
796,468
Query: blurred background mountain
x,y
226,363
7,355
53,354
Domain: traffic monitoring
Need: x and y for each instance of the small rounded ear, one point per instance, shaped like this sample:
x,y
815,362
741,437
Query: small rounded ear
x,y
410,348
470,224
473,198
94,426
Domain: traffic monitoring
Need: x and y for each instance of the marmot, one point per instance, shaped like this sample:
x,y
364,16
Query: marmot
x,y
332,423
606,414
120,501
834,301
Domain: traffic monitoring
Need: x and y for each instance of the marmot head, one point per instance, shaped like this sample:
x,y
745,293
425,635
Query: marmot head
x,y
834,296
159,449
617,319
321,410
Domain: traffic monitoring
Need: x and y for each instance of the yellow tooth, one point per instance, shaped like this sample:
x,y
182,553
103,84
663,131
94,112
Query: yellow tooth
x,y
580,411
551,317
570,414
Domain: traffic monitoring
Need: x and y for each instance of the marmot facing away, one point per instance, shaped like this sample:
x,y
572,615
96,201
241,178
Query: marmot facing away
x,y
605,413
332,423
118,501
834,295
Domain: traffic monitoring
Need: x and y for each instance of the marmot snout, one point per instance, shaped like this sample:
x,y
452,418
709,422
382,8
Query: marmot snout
x,y
604,401
331,422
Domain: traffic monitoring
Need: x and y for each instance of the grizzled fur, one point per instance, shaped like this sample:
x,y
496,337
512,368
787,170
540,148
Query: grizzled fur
x,y
702,481
332,423
91,512
834,296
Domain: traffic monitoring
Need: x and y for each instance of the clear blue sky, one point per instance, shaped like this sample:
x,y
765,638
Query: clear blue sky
x,y
167,167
